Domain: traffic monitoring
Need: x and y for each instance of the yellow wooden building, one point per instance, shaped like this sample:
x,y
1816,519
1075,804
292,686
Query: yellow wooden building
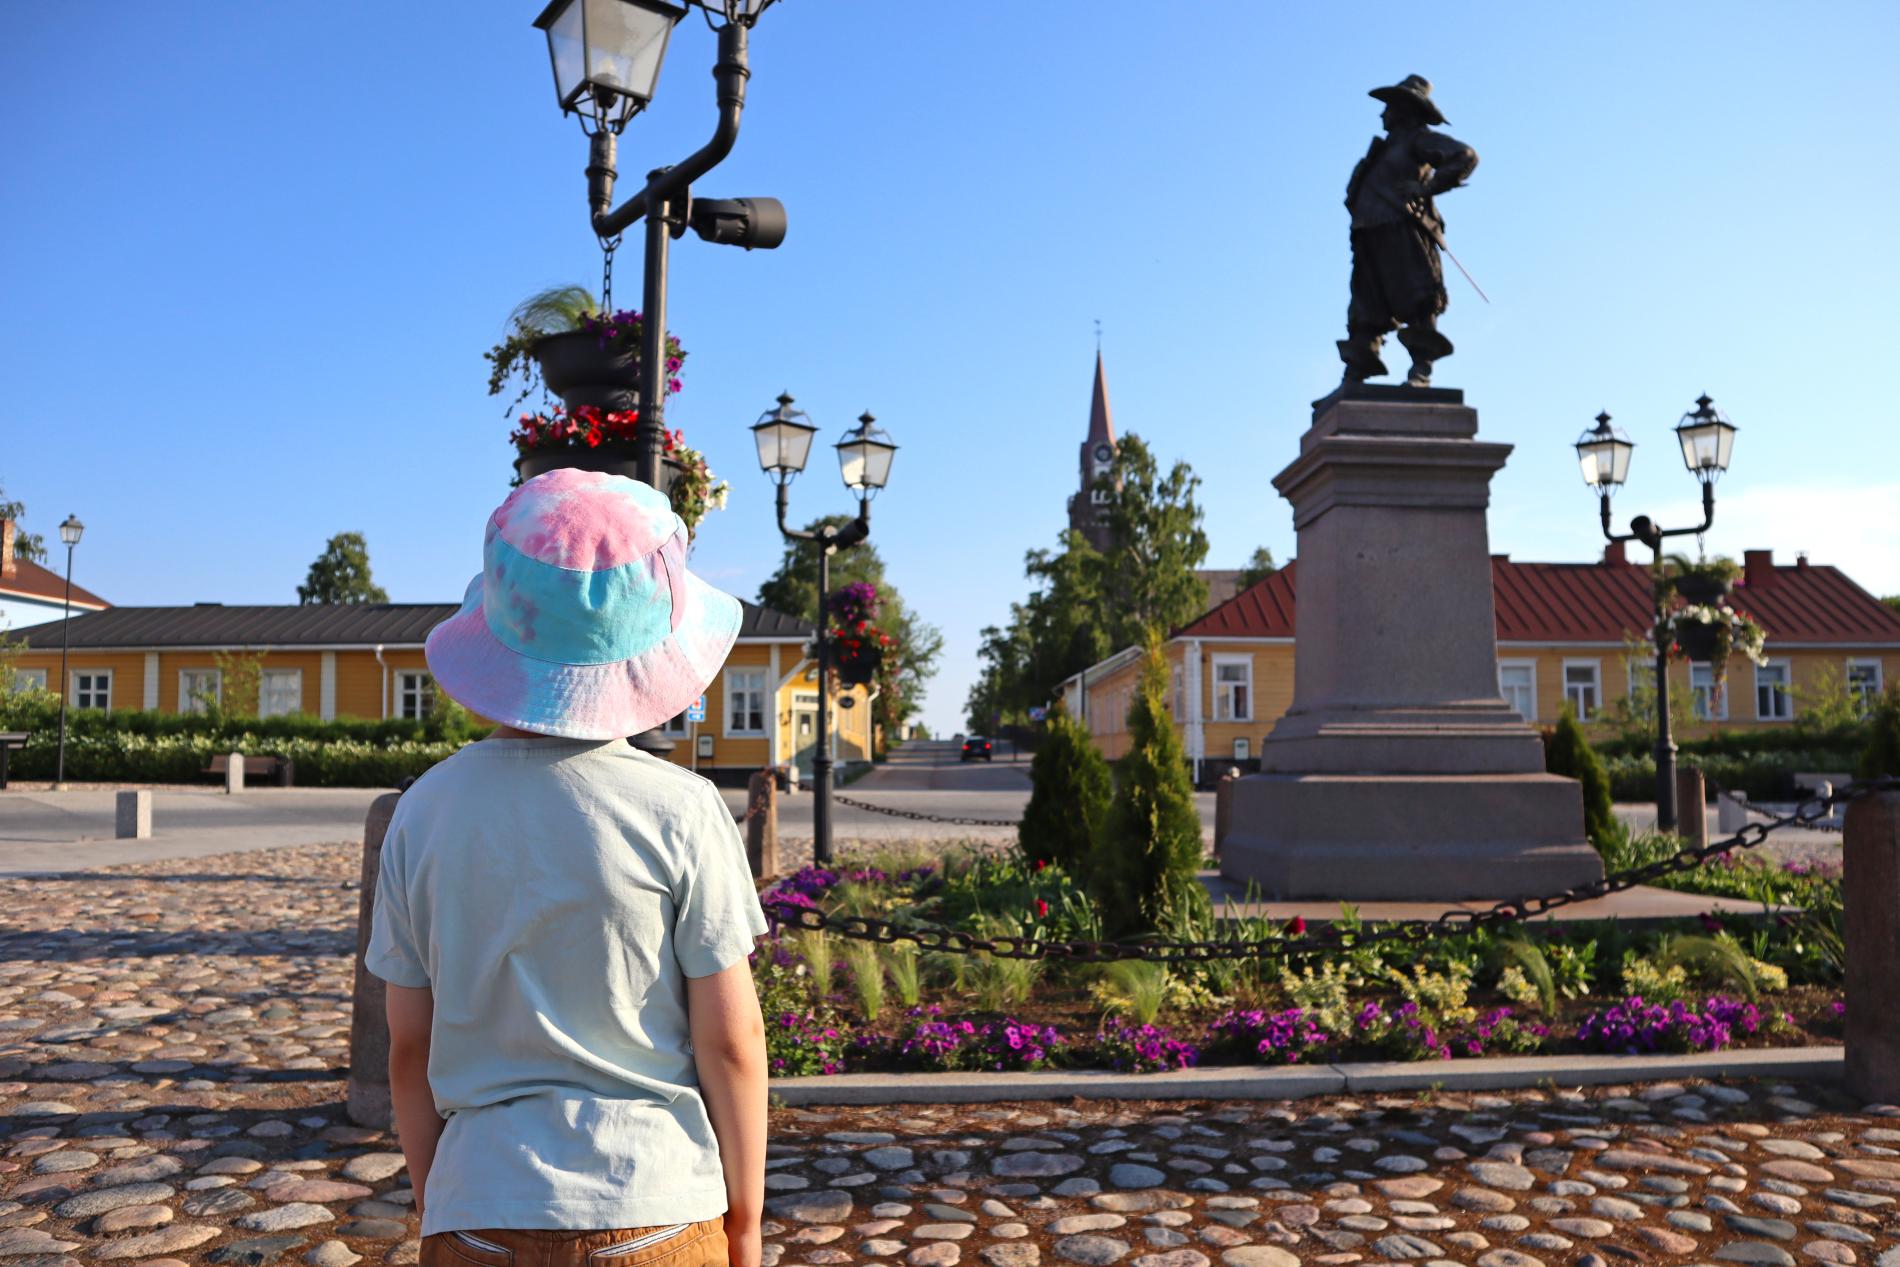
x,y
365,660
1563,636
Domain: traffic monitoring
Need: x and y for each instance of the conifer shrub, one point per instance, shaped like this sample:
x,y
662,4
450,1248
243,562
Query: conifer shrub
x,y
1068,810
1146,870
1568,753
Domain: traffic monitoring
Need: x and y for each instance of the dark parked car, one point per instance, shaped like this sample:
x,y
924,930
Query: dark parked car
x,y
976,748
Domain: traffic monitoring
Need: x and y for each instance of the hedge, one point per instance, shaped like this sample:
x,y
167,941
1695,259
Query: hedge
x,y
1761,776
125,757
39,710
1747,743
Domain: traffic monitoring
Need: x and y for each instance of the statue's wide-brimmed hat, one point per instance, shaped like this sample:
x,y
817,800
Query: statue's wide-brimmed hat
x,y
1415,91
584,621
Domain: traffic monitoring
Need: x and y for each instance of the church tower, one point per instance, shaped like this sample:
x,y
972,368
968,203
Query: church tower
x,y
1086,510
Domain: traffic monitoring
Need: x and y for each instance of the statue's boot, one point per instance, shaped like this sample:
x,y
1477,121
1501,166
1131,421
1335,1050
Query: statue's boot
x,y
1361,355
1426,345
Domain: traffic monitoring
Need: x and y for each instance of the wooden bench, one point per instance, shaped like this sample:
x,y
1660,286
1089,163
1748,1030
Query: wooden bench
x,y
277,768
10,741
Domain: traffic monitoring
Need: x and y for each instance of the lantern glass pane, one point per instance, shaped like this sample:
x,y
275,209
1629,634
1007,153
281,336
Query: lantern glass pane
x,y
569,52
626,44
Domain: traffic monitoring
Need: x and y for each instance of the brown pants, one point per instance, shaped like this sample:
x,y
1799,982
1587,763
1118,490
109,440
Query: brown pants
x,y
669,1245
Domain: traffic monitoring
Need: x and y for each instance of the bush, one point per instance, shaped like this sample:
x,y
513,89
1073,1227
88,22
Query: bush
x,y
1761,776
39,710
130,757
1881,759
1069,807
1568,753
1146,871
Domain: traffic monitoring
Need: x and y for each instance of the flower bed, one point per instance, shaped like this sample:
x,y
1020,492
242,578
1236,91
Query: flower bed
x,y
834,1005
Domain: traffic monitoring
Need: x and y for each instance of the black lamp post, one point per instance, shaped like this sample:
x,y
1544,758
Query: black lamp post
x,y
69,533
606,56
1707,439
784,437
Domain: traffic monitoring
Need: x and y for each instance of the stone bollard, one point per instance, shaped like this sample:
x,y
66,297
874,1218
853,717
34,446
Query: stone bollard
x,y
234,772
761,828
1731,812
1870,855
368,1103
1224,807
134,818
1692,813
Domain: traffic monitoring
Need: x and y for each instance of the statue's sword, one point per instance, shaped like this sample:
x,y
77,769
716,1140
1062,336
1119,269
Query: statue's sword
x,y
1439,238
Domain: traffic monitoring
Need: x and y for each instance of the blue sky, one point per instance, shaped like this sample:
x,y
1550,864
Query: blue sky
x,y
252,255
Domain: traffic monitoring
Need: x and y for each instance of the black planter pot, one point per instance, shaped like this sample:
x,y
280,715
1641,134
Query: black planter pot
x,y
615,458
1697,640
860,668
578,369
1702,590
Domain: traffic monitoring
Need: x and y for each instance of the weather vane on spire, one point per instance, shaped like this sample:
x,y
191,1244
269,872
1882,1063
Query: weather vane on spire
x,y
1098,334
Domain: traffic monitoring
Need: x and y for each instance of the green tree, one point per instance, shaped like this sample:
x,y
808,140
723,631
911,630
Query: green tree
x,y
1826,705
26,545
1258,568
1568,753
1155,543
341,574
1068,807
1881,759
1147,867
1633,716
240,675
916,644
1893,601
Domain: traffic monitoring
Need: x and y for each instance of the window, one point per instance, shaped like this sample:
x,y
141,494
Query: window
x,y
415,694
29,679
199,689
675,726
1175,700
1233,688
1772,699
279,691
745,702
1642,677
1517,683
92,688
1711,698
1863,682
1583,687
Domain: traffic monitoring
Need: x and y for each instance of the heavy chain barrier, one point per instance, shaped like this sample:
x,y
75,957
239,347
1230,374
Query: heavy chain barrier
x,y
918,816
1328,939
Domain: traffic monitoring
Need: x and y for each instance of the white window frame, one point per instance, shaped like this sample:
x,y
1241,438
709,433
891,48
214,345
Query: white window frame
x,y
734,689
29,679
1783,690
1706,694
1530,666
72,688
674,727
1224,710
188,702
1595,685
1177,701
1870,691
264,677
416,685
1641,673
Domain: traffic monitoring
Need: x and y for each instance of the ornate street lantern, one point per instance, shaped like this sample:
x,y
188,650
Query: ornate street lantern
x,y
1604,453
71,531
1707,440
784,439
864,457
607,55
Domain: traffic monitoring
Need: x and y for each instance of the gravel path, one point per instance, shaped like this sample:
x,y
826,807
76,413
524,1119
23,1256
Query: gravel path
x,y
173,1036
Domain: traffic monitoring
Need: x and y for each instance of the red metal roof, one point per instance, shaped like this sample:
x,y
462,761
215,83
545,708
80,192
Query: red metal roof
x,y
1604,602
30,580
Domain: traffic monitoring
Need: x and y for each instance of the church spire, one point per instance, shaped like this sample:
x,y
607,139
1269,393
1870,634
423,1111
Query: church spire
x,y
1101,424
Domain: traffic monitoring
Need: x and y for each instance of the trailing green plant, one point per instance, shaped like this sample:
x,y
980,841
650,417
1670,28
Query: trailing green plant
x,y
557,310
1069,804
867,978
1568,753
1146,870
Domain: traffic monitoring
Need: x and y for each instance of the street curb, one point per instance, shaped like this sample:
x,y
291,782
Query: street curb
x,y
1813,1064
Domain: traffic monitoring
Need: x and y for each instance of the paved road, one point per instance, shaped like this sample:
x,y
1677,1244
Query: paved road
x,y
58,831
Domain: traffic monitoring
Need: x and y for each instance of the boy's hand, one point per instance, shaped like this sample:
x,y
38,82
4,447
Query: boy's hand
x,y
743,1241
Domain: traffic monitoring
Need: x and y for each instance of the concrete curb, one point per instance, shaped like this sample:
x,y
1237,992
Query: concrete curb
x,y
1297,1082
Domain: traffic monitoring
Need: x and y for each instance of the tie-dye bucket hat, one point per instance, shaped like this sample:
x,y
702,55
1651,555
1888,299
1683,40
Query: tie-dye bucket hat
x,y
584,621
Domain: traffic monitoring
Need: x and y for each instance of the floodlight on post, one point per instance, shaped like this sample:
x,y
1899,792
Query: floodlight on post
x,y
783,436
1707,439
607,56
864,457
69,534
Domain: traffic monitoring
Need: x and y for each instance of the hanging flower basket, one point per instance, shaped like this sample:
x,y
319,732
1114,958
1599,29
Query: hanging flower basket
x,y
1696,641
1707,633
1703,590
858,659
586,371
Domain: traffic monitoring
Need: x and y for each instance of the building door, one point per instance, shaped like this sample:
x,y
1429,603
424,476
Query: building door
x,y
804,731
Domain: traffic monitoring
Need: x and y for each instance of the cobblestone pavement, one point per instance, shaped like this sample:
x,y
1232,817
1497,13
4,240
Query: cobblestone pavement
x,y
173,1035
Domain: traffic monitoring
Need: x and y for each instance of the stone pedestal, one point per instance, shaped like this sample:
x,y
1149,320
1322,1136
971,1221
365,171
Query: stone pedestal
x,y
1870,853
234,772
1399,772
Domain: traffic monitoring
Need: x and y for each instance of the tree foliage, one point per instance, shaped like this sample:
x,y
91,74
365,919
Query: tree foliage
x,y
1068,809
1146,869
26,545
341,574
1881,759
916,644
1259,567
1085,603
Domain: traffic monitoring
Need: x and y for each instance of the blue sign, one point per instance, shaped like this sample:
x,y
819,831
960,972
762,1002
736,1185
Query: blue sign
x,y
696,711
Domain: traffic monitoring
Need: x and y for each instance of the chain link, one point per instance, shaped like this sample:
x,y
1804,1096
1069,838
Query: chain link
x,y
607,248
918,816
1332,937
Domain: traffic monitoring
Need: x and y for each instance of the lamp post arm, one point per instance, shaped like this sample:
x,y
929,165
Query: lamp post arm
x,y
731,73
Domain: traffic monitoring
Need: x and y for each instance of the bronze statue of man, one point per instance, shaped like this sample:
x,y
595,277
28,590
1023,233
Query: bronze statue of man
x,y
1398,281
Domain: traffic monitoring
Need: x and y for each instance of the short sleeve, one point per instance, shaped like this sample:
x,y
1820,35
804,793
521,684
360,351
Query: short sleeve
x,y
717,917
393,954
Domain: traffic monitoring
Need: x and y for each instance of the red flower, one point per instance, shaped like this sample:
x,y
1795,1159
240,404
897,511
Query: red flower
x,y
1042,909
593,437
1040,864
1295,927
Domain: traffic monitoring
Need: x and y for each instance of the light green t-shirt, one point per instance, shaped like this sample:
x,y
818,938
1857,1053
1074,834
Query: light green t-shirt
x,y
555,895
